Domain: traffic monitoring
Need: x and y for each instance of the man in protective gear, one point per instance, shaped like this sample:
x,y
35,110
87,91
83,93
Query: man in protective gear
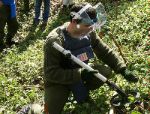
x,y
62,75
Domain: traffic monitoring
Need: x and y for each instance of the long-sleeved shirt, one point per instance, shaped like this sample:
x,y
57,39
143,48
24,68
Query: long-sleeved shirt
x,y
54,73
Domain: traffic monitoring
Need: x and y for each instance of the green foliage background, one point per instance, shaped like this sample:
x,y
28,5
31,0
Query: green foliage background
x,y
21,67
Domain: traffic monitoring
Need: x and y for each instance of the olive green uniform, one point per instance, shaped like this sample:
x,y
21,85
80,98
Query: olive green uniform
x,y
57,78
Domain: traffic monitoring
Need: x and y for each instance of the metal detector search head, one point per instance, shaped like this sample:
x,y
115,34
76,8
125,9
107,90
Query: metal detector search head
x,y
135,101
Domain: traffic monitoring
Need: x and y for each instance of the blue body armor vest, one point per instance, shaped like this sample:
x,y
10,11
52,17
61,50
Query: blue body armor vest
x,y
79,47
12,5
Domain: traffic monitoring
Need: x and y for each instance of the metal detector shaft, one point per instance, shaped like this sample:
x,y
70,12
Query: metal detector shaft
x,y
87,67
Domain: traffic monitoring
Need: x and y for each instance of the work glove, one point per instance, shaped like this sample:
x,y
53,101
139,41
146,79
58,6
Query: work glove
x,y
86,75
128,75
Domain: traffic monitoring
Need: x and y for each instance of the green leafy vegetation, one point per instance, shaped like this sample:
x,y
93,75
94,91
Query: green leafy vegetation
x,y
21,67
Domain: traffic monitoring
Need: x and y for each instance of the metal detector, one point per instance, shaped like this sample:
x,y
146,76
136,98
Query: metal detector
x,y
87,67
118,101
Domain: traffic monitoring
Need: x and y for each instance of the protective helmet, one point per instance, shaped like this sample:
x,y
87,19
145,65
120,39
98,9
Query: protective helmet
x,y
97,21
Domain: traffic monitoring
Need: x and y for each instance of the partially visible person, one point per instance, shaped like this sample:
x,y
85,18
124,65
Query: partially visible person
x,y
7,16
46,12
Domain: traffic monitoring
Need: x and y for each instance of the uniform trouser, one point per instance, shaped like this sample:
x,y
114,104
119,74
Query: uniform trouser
x,y
57,95
67,2
46,11
12,24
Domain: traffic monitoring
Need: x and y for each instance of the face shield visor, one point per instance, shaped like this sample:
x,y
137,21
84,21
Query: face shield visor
x,y
101,16
97,21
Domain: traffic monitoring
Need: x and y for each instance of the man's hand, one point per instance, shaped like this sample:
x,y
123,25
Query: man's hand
x,y
1,3
85,74
129,76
